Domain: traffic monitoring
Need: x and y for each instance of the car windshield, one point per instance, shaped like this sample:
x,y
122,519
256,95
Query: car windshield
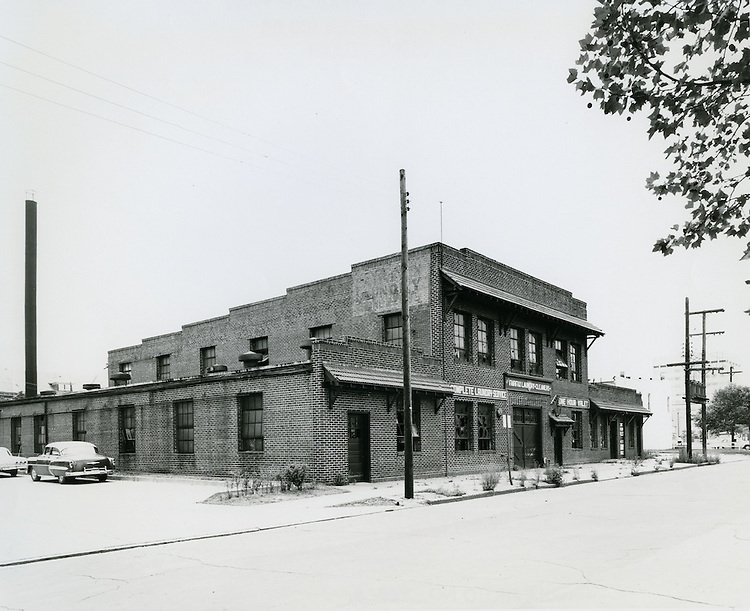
x,y
79,448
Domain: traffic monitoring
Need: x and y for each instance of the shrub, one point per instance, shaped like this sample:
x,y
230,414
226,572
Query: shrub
x,y
293,475
340,480
595,475
522,479
554,475
490,480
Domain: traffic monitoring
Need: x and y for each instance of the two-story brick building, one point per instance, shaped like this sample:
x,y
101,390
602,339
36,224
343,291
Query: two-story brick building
x,y
500,362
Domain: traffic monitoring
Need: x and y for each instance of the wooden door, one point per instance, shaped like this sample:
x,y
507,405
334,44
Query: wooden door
x,y
359,447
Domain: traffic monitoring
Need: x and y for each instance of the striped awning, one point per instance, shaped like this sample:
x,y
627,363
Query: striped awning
x,y
622,408
496,293
366,377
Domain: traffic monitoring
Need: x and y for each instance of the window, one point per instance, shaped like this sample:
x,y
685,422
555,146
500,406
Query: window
x,y
594,430
486,426
577,429
416,426
516,350
393,328
461,336
575,362
464,434
322,332
485,345
184,433
124,368
162,367
259,345
561,359
535,354
631,433
79,426
40,435
15,435
127,429
207,358
250,415
603,430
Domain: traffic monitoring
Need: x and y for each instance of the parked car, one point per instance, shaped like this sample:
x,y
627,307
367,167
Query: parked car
x,y
11,464
67,460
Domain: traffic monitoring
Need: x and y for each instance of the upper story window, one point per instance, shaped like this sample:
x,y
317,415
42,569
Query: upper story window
x,y
162,367
322,332
561,359
393,328
208,358
485,343
461,336
516,350
259,344
574,363
535,354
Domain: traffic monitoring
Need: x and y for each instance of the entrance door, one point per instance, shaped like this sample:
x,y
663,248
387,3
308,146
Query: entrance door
x,y
527,437
359,447
559,445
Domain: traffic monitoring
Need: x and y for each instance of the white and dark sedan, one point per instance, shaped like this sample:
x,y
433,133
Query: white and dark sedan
x,y
11,464
67,460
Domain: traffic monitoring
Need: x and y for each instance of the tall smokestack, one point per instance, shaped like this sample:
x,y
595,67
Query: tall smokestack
x,y
30,304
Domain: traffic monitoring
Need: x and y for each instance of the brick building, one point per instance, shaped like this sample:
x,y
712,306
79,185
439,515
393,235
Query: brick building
x,y
499,364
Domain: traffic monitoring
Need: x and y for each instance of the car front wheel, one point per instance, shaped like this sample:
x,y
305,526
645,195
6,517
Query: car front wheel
x,y
62,479
102,478
13,473
34,475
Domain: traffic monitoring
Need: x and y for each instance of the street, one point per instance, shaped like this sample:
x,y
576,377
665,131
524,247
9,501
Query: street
x,y
674,539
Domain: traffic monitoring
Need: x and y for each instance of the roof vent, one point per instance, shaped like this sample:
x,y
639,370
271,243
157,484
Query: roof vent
x,y
92,386
217,368
120,375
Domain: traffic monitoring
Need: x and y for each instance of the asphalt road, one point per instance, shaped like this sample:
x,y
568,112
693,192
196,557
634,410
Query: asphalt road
x,y
676,539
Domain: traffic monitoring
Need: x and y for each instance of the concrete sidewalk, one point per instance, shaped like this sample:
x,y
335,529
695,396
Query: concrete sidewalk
x,y
135,510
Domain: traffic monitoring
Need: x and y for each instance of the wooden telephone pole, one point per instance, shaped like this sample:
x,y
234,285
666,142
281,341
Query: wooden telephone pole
x,y
406,344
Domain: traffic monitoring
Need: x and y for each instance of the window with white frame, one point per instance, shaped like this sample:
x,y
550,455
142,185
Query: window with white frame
x,y
461,336
485,341
516,350
393,328
561,359
535,354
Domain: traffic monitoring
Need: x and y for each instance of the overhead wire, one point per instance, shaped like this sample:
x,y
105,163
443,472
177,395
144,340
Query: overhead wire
x,y
170,123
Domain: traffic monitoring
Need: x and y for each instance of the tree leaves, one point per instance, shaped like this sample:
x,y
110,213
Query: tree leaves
x,y
685,63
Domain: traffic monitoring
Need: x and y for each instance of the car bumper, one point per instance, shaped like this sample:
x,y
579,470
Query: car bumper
x,y
58,471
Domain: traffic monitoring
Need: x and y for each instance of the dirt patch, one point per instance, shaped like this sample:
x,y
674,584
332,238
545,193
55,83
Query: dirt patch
x,y
223,498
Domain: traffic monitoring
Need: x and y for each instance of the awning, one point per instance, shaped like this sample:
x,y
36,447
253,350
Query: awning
x,y
560,420
491,291
383,378
621,408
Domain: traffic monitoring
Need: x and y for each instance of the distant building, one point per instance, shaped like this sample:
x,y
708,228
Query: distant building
x,y
499,363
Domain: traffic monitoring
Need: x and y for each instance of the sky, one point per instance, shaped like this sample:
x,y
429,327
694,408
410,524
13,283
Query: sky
x,y
192,156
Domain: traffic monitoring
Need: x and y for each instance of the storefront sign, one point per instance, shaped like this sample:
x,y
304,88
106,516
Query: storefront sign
x,y
477,391
569,402
528,385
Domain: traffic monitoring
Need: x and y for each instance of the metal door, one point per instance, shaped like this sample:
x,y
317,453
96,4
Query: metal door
x,y
527,437
359,447
614,445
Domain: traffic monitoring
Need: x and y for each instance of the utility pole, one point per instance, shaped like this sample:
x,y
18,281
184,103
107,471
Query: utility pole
x,y
406,344
731,373
704,440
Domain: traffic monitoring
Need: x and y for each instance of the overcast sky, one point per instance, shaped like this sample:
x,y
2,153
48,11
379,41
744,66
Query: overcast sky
x,y
188,157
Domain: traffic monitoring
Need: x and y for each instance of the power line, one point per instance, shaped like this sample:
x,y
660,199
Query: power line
x,y
175,106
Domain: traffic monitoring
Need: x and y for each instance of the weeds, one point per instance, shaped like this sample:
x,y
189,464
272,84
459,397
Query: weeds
x,y
554,475
595,475
490,480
